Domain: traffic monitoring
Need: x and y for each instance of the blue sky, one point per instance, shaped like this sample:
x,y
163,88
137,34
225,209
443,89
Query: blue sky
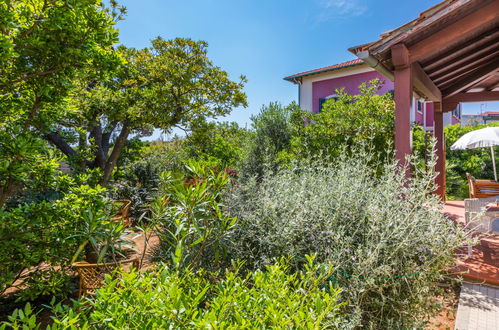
x,y
266,40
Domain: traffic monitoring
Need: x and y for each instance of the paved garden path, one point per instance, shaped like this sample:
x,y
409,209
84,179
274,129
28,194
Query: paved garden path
x,y
478,307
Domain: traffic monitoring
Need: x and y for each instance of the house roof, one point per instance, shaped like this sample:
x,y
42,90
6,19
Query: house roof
x,y
325,69
454,44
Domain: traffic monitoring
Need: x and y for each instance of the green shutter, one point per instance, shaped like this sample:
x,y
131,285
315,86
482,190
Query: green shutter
x,y
321,103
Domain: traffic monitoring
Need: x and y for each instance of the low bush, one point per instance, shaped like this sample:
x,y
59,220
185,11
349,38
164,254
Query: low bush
x,y
189,217
184,299
365,118
41,239
387,238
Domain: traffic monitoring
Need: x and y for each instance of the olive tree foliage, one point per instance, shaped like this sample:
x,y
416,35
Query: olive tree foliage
x,y
171,83
44,44
273,133
388,240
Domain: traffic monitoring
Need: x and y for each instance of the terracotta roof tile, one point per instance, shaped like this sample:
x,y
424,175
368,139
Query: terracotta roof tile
x,y
325,69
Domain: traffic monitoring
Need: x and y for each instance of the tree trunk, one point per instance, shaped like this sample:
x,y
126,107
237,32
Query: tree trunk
x,y
100,157
6,191
106,137
115,154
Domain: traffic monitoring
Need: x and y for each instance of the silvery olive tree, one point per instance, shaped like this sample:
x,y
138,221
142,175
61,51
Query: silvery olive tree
x,y
388,239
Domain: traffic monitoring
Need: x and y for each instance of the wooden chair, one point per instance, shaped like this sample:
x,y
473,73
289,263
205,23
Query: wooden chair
x,y
482,188
92,275
123,210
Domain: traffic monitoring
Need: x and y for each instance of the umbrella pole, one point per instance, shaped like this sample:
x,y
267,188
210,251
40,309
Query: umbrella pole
x,y
493,163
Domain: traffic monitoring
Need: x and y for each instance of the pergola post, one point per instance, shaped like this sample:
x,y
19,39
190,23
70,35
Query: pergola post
x,y
450,52
438,133
403,99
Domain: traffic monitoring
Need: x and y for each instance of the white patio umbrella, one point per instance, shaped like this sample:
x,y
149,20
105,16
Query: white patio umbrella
x,y
485,137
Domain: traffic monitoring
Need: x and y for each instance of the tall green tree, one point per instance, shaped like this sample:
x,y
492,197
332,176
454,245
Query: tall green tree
x,y
172,83
44,44
273,133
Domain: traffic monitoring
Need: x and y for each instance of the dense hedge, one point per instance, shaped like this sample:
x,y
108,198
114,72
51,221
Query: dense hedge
x,y
168,299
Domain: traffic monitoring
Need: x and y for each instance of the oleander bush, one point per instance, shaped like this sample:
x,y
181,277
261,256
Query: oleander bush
x,y
387,238
183,299
189,217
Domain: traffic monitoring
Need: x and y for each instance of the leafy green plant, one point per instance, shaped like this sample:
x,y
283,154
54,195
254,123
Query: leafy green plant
x,y
139,180
366,118
40,240
21,319
169,298
458,162
272,135
101,238
221,144
387,238
190,218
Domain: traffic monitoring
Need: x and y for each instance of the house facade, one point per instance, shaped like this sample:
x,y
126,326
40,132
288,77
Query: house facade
x,y
318,85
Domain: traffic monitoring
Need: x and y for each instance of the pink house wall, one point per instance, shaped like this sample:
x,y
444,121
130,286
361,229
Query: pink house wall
x,y
323,88
429,114
419,118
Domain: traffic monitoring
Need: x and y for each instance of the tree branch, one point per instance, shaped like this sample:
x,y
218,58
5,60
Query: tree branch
x,y
96,134
59,142
36,74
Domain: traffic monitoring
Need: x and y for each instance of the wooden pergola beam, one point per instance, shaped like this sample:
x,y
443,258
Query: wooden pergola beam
x,y
424,84
460,30
462,51
472,78
473,97
474,63
451,63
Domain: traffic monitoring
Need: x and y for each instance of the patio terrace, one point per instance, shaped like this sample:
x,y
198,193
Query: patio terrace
x,y
484,262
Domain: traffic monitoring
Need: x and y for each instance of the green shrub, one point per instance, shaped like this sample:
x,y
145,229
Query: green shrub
x,y
272,135
45,237
366,118
172,299
138,180
25,163
458,162
388,240
189,216
220,144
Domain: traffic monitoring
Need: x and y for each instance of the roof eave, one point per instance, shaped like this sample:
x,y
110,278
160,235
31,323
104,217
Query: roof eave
x,y
293,77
